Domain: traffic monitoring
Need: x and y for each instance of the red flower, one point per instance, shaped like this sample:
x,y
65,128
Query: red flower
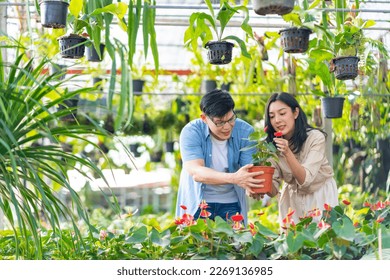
x,y
315,213
237,218
203,205
327,207
380,205
346,202
265,129
252,229
380,219
367,204
290,212
278,134
260,213
356,224
183,207
204,213
322,225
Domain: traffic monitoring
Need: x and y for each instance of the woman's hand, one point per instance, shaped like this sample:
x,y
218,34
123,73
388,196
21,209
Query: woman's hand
x,y
282,145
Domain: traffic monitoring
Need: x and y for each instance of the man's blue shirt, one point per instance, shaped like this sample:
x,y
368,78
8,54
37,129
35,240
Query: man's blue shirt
x,y
195,143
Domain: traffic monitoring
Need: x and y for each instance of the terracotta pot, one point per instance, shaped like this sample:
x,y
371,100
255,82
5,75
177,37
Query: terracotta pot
x,y
268,173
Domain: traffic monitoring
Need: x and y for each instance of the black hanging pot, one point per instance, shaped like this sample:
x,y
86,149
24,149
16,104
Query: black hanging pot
x,y
138,86
208,85
72,46
267,7
57,70
220,52
92,54
53,13
156,156
295,40
226,86
345,67
169,146
333,106
69,105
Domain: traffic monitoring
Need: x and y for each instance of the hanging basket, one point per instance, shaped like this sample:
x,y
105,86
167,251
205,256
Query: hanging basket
x,y
219,52
332,106
295,40
208,85
345,67
54,14
72,46
92,54
267,7
138,86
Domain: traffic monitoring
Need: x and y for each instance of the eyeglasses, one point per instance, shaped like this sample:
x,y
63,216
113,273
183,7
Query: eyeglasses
x,y
222,123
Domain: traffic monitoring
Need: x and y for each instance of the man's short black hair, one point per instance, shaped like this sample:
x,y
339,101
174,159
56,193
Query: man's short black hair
x,y
216,103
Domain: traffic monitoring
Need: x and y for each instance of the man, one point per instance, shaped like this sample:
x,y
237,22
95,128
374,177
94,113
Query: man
x,y
214,168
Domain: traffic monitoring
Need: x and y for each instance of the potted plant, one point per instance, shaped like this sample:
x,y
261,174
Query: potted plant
x,y
53,13
280,7
203,25
295,39
261,159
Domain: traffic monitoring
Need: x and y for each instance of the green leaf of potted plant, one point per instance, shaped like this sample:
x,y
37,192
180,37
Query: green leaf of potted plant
x,y
262,158
203,25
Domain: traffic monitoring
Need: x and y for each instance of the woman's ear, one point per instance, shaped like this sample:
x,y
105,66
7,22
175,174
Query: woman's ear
x,y
296,113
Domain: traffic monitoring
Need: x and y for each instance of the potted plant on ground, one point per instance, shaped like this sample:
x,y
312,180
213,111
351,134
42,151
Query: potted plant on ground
x,y
203,25
261,159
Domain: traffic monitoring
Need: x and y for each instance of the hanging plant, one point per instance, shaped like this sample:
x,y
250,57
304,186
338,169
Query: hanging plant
x,y
203,25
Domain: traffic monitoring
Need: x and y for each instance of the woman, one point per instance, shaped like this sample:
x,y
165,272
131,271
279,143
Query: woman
x,y
307,177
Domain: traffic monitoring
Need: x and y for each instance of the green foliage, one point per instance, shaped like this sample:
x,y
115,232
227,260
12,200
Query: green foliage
x,y
264,150
33,163
342,233
202,25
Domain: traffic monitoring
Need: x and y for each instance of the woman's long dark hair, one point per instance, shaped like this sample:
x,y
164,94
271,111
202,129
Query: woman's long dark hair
x,y
301,125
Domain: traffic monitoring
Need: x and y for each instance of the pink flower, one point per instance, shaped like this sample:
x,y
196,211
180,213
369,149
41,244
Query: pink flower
x,y
103,235
315,213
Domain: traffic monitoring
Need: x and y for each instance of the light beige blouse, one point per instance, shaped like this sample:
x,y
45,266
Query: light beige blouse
x,y
319,186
